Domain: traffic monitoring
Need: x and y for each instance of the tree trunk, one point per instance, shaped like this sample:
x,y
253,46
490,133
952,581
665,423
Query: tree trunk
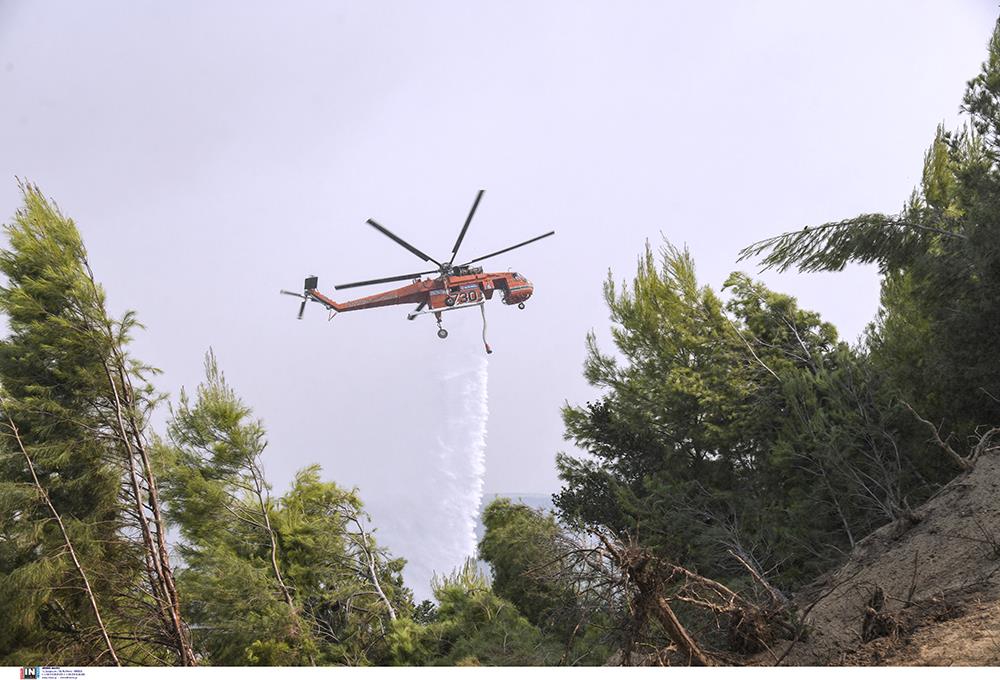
x,y
165,592
157,558
272,538
678,633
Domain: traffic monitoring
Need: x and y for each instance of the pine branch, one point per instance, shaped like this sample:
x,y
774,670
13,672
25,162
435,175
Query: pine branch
x,y
870,238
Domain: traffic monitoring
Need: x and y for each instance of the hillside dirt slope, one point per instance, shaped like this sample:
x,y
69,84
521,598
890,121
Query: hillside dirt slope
x,y
939,583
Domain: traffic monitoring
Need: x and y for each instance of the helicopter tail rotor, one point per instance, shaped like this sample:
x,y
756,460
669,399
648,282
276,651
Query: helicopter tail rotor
x,y
311,284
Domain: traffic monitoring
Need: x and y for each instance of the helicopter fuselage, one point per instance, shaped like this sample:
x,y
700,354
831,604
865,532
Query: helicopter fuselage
x,y
441,293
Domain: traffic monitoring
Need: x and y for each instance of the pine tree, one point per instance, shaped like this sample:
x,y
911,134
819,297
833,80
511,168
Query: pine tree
x,y
730,433
471,626
546,572
78,403
293,580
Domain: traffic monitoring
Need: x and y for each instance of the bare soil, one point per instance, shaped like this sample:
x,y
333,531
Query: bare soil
x,y
940,577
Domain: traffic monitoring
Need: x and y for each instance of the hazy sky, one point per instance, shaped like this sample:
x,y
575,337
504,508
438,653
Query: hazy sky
x,y
212,153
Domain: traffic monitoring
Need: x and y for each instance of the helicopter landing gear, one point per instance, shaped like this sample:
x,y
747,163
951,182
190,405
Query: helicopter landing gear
x,y
442,333
450,301
520,305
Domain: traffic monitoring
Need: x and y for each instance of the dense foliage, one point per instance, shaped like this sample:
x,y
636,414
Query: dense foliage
x,y
471,625
52,371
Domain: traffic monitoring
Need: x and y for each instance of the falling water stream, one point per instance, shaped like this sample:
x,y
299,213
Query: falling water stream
x,y
461,456
432,521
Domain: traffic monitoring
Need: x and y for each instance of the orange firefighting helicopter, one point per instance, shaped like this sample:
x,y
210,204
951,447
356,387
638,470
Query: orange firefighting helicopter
x,y
455,286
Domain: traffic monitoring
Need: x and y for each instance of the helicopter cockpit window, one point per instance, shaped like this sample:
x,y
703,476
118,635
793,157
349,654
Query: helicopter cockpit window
x,y
518,277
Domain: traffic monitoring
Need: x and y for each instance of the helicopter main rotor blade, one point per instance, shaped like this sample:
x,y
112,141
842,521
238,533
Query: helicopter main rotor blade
x,y
500,252
468,220
416,251
389,279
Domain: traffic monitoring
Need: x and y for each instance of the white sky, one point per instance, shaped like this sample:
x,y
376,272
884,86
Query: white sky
x,y
212,153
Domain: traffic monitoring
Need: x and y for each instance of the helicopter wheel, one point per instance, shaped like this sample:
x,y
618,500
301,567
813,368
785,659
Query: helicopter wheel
x,y
449,301
442,333
520,305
